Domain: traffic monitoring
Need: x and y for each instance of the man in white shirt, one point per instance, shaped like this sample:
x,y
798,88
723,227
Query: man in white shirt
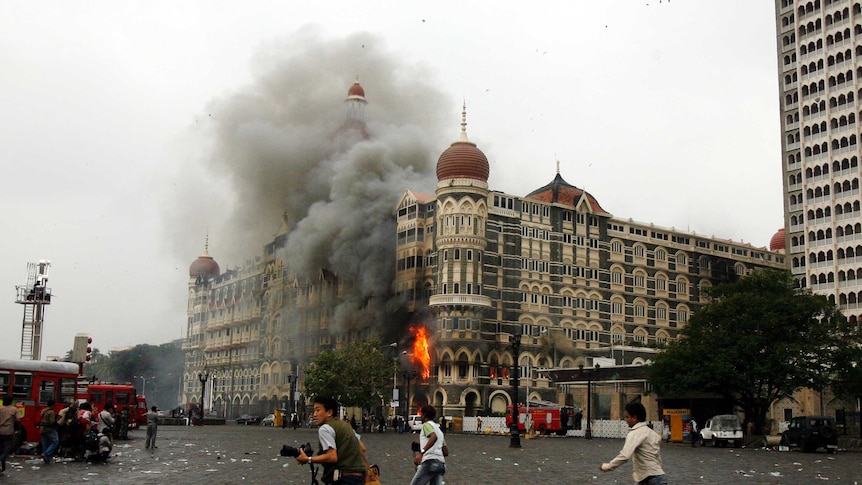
x,y
642,446
431,461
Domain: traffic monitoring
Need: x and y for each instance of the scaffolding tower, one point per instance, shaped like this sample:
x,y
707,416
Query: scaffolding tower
x,y
34,295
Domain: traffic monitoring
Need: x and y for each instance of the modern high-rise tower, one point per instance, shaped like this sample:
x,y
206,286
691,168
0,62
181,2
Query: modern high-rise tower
x,y
819,80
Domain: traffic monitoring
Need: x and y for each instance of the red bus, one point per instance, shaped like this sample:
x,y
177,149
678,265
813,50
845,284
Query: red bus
x,y
122,396
31,383
547,417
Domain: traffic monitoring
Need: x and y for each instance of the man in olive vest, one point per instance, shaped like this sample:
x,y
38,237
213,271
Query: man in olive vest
x,y
341,451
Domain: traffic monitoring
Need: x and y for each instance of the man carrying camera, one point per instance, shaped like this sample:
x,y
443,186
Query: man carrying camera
x,y
341,451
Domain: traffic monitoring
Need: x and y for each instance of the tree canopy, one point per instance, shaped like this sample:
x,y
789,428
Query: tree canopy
x,y
358,376
160,365
759,339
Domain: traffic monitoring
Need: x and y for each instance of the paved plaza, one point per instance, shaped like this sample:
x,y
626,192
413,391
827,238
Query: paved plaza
x,y
234,454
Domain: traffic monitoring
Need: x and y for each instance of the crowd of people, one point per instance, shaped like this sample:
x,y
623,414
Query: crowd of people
x,y
66,433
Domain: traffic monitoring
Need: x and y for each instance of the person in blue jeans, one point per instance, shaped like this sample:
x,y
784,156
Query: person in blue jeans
x,y
642,447
48,432
430,459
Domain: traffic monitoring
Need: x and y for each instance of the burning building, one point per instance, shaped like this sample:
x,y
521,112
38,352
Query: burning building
x,y
323,280
471,267
576,285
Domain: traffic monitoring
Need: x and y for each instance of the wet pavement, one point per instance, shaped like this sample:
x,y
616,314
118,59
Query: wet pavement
x,y
234,454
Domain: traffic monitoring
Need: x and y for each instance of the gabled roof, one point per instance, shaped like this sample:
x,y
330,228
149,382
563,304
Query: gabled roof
x,y
561,192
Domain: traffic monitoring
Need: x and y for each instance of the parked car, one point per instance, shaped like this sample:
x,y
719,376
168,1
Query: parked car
x,y
247,419
269,420
414,421
811,432
722,430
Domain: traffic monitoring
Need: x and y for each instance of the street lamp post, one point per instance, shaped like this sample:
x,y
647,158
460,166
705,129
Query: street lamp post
x,y
291,380
144,381
203,376
588,432
407,375
515,440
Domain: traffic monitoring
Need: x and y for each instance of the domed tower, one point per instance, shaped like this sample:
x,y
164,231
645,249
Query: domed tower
x,y
355,103
205,266
462,212
202,271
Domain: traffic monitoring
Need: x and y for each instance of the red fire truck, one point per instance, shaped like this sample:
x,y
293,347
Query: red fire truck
x,y
122,396
31,383
545,417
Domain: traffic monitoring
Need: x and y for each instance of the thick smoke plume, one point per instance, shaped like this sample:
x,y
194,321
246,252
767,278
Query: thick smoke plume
x,y
274,147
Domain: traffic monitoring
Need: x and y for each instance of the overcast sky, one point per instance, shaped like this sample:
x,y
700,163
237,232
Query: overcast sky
x,y
667,112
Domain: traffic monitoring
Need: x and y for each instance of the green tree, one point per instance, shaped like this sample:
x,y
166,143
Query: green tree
x,y
758,339
160,365
847,382
357,376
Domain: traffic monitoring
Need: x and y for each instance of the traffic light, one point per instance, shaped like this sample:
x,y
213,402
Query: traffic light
x,y
82,349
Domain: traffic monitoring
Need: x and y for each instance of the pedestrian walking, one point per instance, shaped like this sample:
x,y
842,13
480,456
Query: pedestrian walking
x,y
152,427
693,431
478,424
431,458
48,432
8,417
642,446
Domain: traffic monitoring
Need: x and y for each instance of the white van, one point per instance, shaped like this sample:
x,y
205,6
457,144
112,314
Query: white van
x,y
722,430
414,421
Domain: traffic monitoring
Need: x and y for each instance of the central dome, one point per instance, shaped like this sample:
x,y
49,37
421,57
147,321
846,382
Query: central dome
x,y
462,159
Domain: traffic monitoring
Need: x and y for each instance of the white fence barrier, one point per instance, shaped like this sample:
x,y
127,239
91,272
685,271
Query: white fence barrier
x,y
601,428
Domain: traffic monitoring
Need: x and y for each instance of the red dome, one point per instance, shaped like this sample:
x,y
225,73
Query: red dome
x,y
463,160
205,265
778,241
356,91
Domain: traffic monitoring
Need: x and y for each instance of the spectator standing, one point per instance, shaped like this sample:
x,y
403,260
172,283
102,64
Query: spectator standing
x,y
8,417
48,432
642,446
106,422
152,427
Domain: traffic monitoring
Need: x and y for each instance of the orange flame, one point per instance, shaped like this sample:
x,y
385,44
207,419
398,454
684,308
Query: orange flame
x,y
421,352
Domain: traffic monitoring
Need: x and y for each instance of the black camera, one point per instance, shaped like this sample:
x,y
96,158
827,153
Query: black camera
x,y
288,450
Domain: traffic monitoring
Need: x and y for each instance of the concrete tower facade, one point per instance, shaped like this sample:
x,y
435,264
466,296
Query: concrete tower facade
x,y
819,78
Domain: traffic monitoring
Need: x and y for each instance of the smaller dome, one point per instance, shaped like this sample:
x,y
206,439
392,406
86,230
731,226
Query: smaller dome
x,y
561,192
778,241
356,91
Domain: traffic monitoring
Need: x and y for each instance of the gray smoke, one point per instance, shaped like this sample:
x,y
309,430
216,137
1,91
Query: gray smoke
x,y
273,147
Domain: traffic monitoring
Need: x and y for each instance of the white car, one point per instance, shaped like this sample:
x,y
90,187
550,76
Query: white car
x,y
269,420
722,430
414,421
